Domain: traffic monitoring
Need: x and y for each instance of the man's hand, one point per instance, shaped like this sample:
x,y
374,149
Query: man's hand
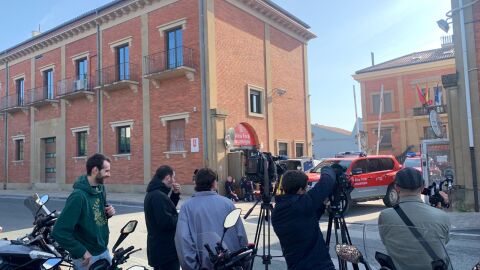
x,y
444,197
109,211
176,188
86,259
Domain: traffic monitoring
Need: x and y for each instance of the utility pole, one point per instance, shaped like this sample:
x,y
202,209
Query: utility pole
x,y
380,120
356,120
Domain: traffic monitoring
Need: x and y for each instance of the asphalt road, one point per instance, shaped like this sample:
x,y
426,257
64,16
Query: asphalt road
x,y
464,248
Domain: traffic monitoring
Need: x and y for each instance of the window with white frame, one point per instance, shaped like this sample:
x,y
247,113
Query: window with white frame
x,y
299,148
19,149
255,101
176,135
387,102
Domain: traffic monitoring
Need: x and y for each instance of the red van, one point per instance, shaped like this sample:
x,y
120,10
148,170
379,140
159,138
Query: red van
x,y
371,176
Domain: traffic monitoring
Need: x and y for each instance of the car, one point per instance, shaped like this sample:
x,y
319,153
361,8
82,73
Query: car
x,y
413,162
372,176
304,164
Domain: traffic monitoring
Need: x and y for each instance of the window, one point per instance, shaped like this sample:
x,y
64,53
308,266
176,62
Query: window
x,y
299,149
18,150
81,69
255,102
48,84
360,166
176,135
387,102
374,165
81,143
20,85
387,164
386,138
123,70
123,134
175,48
283,149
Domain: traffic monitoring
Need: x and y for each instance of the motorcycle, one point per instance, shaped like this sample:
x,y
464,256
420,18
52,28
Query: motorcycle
x,y
120,255
36,250
223,258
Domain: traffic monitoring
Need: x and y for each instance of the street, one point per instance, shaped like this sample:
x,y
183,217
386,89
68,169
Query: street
x,y
463,247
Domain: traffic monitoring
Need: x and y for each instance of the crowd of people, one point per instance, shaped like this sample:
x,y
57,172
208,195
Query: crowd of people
x,y
176,239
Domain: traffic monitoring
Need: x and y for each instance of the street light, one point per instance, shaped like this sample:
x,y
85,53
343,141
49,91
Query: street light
x,y
444,25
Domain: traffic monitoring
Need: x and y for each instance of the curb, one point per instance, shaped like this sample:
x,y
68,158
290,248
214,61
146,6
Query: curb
x,y
115,202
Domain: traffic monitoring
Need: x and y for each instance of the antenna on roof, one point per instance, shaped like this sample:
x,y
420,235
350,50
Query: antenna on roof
x,y
372,55
35,32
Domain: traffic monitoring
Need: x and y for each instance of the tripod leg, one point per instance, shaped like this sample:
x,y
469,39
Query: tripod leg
x,y
329,230
257,235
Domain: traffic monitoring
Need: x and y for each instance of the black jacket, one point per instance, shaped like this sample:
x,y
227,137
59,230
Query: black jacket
x,y
295,220
161,218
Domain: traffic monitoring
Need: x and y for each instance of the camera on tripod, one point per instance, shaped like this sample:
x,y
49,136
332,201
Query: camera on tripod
x,y
340,197
433,191
263,168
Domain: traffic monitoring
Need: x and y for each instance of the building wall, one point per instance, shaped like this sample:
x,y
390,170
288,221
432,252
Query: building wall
x,y
249,51
407,129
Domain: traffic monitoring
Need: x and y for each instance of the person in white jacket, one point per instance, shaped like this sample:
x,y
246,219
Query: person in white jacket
x,y
200,222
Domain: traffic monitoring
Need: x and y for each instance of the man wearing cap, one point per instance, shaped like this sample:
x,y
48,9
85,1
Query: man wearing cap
x,y
403,243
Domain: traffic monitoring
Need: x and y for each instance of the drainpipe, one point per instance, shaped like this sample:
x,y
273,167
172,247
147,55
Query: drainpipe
x,y
99,97
5,159
203,75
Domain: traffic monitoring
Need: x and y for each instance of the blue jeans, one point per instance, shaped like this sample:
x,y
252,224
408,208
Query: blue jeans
x,y
77,263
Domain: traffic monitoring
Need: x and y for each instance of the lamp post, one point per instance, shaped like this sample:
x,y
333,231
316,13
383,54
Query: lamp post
x,y
444,25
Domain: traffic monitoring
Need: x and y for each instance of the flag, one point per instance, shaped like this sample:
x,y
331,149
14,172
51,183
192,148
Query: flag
x,y
421,97
427,96
438,95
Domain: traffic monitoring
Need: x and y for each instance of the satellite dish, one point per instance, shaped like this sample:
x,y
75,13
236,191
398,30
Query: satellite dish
x,y
436,123
229,138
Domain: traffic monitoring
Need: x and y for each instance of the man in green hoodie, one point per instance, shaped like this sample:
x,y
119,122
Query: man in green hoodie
x,y
82,228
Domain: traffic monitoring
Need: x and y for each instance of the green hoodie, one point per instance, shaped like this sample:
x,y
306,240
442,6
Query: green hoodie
x,y
83,224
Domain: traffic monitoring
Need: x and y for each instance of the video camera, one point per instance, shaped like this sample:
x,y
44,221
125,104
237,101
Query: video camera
x,y
340,197
433,191
261,164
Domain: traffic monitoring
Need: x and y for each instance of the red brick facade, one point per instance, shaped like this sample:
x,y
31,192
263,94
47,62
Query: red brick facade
x,y
243,44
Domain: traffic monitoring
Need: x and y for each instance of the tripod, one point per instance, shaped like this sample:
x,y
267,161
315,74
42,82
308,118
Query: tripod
x,y
264,219
337,219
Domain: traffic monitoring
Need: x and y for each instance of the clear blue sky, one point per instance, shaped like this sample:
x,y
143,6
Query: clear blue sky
x,y
347,32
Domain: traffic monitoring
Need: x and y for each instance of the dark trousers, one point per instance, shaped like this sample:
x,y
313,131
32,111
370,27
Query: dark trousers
x,y
172,265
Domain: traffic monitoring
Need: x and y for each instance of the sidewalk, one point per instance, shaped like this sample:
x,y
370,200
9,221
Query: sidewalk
x,y
459,220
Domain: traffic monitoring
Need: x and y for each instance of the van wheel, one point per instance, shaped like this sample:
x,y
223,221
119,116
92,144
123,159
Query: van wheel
x,y
391,198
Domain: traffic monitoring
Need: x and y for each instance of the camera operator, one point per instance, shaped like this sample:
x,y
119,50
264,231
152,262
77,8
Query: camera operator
x,y
295,220
402,227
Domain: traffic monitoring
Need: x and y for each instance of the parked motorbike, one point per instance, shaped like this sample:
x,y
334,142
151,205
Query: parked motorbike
x,y
36,250
120,255
222,258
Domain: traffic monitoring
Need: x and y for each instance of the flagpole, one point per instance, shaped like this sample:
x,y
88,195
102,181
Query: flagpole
x,y
380,119
356,120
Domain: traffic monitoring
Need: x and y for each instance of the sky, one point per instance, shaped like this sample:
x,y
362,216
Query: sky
x,y
347,32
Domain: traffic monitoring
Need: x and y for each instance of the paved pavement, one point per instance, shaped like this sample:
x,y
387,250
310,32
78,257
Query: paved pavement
x,y
17,222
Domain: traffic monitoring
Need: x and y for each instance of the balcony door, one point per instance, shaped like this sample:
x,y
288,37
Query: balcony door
x,y
174,48
123,71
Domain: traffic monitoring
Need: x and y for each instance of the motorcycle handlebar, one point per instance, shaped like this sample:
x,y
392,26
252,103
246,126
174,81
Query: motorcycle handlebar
x,y
121,253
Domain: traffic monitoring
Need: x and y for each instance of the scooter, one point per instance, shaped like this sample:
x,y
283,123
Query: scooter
x,y
120,255
35,250
223,259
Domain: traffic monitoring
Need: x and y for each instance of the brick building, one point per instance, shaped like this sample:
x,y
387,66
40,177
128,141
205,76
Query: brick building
x,y
405,121
151,82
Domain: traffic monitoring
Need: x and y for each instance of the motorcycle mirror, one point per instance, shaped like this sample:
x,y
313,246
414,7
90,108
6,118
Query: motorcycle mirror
x,y
126,230
231,218
42,201
349,253
51,263
136,267
129,227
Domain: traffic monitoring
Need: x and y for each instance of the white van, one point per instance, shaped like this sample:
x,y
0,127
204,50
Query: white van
x,y
301,164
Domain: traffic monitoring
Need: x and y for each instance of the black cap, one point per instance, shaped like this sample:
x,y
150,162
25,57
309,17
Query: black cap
x,y
409,178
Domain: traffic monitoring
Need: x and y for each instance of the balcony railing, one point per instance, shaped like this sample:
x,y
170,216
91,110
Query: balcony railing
x,y
419,111
72,88
40,95
171,63
12,103
118,76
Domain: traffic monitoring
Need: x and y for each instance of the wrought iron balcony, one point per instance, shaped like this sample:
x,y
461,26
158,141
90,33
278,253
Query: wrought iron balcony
x,y
40,96
73,88
170,64
419,111
12,103
119,76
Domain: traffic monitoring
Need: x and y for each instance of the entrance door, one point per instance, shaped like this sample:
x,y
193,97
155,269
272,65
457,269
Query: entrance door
x,y
50,148
435,159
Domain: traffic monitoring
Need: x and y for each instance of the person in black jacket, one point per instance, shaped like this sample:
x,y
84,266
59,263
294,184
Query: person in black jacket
x,y
161,217
295,220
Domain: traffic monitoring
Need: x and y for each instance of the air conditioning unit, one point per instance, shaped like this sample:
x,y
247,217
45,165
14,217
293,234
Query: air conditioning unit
x,y
80,85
